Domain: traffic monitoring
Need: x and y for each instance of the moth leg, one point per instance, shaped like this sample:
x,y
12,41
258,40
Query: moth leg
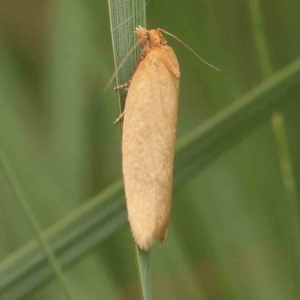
x,y
120,117
121,86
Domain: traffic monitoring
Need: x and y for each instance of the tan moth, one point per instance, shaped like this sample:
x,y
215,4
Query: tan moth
x,y
148,138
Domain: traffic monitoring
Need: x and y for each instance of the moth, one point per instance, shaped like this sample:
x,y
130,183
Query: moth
x,y
148,138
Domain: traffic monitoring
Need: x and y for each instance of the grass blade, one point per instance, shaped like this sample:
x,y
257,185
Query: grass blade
x,y
36,228
145,272
124,19
260,38
125,16
291,204
277,124
206,142
26,269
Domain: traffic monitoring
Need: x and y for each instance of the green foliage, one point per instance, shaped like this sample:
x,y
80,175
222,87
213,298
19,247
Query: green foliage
x,y
235,222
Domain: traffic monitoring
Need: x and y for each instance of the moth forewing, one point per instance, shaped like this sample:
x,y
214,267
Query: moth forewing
x,y
148,142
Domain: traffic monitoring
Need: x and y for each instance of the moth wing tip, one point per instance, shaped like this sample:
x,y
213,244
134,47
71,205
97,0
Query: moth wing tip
x,y
144,242
163,237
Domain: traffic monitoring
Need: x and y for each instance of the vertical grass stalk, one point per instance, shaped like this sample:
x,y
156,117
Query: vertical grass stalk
x,y
280,135
145,272
260,38
292,198
125,16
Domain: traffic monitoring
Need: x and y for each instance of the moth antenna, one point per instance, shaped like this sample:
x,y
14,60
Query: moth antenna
x,y
179,40
120,66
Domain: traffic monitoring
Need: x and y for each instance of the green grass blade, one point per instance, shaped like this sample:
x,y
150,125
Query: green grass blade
x,y
291,204
203,144
145,272
36,228
125,16
277,124
124,19
260,38
105,213
69,239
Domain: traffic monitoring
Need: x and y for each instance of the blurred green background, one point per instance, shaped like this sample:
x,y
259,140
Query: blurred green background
x,y
235,224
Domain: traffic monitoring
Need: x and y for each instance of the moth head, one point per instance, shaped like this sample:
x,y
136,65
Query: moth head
x,y
143,36
149,38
